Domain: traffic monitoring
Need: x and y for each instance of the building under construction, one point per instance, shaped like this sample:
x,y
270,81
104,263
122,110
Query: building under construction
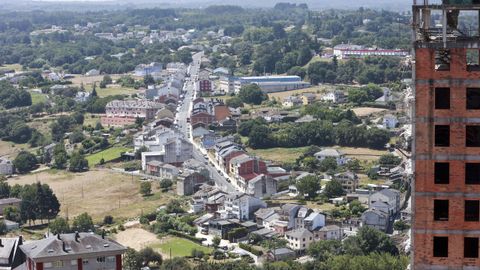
x,y
446,189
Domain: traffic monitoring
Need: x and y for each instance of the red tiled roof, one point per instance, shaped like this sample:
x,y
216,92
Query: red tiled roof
x,y
221,112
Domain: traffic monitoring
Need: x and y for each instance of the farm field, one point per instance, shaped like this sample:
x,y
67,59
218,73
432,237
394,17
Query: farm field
x,y
314,89
366,154
137,238
367,111
113,90
107,154
179,247
97,192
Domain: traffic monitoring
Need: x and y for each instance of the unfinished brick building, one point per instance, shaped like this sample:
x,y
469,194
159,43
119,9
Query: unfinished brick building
x,y
446,190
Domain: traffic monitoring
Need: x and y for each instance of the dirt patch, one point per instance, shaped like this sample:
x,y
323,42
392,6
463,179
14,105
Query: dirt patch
x,y
137,238
366,111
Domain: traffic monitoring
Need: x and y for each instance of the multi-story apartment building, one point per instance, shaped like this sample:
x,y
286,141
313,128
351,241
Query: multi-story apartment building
x,y
82,251
446,189
125,112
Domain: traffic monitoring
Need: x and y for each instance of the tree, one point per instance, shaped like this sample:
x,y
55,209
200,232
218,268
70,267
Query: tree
x,y
174,206
259,137
323,250
252,94
176,264
400,225
389,160
369,240
308,186
4,189
216,241
76,137
328,164
234,102
146,188
78,163
166,184
132,260
12,213
83,223
356,207
105,81
3,227
148,80
333,189
108,220
197,254
60,157
148,256
25,162
59,225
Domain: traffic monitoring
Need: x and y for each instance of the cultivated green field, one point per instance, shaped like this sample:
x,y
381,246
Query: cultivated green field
x,y
279,154
179,247
107,154
37,97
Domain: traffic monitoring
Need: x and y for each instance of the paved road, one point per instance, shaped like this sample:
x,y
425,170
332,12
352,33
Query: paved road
x,y
185,129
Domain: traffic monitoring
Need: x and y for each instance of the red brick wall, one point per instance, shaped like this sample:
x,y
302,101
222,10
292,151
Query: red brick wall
x,y
424,168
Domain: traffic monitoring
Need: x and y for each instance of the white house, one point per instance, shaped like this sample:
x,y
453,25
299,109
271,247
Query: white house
x,y
376,219
335,96
332,153
6,167
299,239
291,101
330,232
241,206
390,197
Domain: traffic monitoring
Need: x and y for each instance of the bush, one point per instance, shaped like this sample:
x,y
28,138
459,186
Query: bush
x,y
108,220
251,249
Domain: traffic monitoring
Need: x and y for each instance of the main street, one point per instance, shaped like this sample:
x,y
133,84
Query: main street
x,y
183,112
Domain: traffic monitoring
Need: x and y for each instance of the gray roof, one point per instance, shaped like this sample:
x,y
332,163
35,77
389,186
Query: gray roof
x,y
68,245
300,233
8,246
9,201
330,152
330,228
390,193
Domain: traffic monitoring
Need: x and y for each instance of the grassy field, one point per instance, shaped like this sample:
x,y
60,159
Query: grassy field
x,y
107,154
179,247
115,90
366,111
97,192
37,97
16,67
91,119
279,154
314,89
10,150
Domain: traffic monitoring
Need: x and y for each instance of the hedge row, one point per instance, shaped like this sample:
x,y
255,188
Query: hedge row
x,y
186,236
250,249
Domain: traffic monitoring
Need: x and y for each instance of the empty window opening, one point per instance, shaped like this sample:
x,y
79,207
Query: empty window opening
x,y
472,210
472,173
442,173
440,246
442,60
442,135
467,22
440,210
473,136
442,98
473,98
473,60
470,247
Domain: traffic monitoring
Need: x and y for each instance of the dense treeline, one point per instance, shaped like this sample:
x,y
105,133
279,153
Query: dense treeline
x,y
11,97
382,28
369,70
321,133
38,202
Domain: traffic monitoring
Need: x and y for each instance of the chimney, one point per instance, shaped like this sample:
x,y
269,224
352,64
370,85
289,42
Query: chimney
x,y
103,234
58,236
77,236
20,240
1,242
64,247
